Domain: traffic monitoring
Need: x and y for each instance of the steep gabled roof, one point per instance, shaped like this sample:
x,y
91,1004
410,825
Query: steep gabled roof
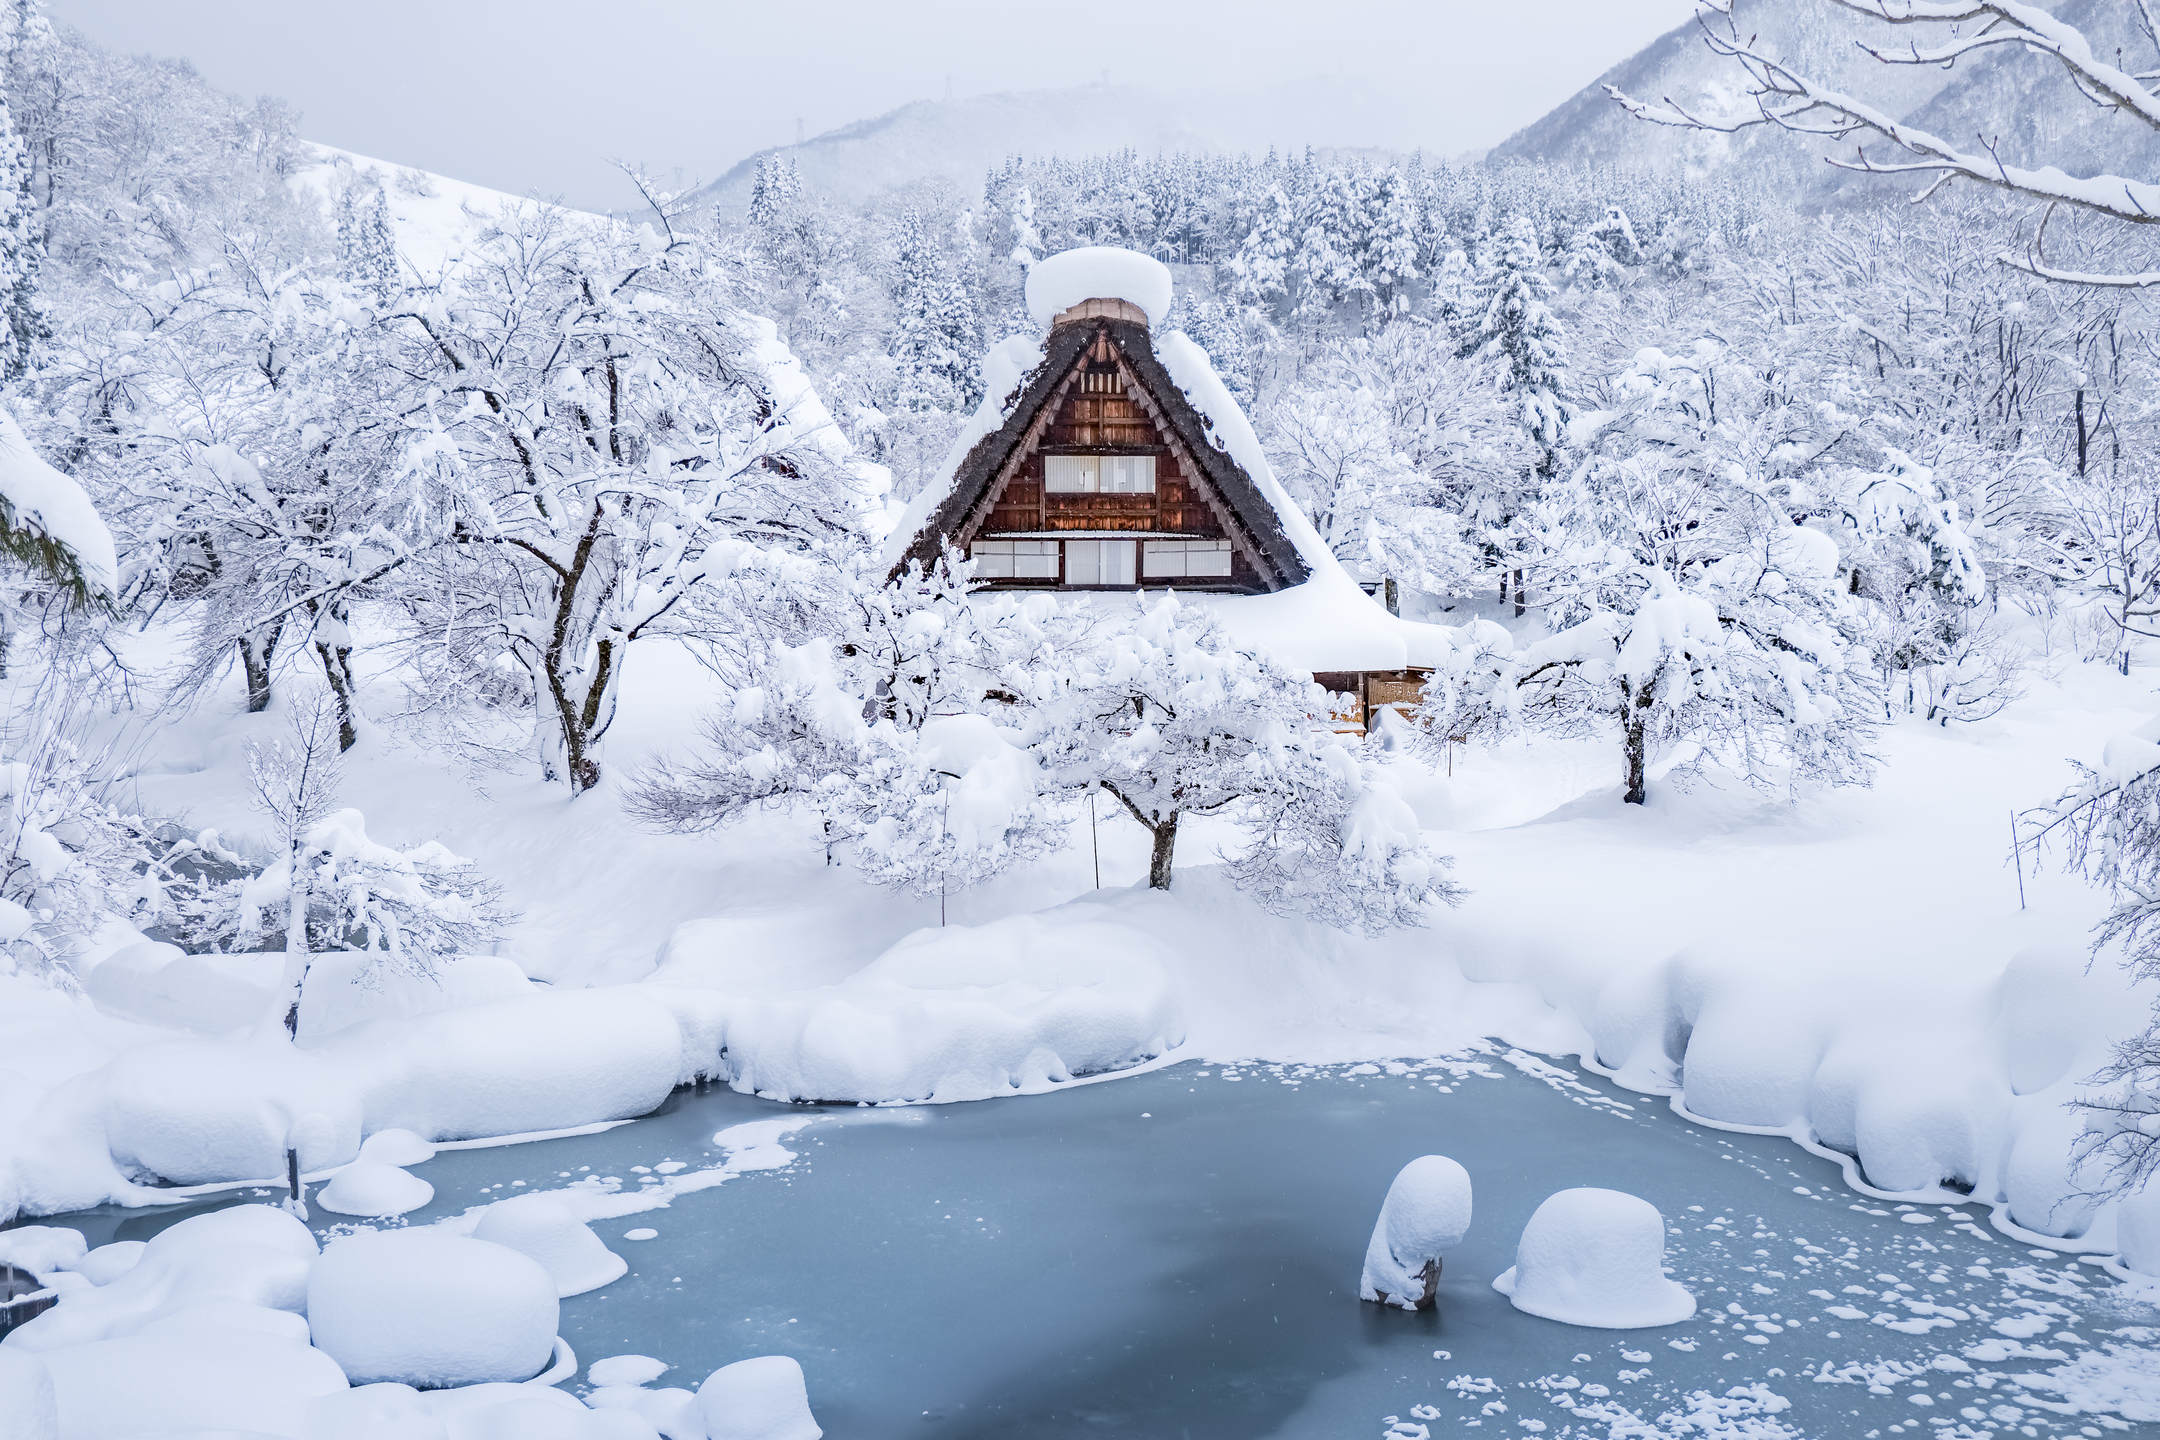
x,y
969,484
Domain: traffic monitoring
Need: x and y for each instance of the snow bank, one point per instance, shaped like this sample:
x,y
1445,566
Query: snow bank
x,y
760,1399
26,1397
965,1013
545,1228
1058,282
347,990
187,1380
1597,1258
209,994
42,1249
425,1307
1426,1211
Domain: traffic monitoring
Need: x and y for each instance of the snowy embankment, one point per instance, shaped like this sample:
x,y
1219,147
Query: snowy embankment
x,y
1855,971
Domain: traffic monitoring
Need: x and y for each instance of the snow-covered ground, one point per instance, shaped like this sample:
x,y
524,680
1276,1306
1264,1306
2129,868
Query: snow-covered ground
x,y
1856,971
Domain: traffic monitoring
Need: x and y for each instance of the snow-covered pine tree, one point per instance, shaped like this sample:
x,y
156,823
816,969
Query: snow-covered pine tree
x,y
935,336
1261,269
1520,334
23,322
1388,256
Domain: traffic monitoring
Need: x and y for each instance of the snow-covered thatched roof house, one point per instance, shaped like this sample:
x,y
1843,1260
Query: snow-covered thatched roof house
x,y
1108,455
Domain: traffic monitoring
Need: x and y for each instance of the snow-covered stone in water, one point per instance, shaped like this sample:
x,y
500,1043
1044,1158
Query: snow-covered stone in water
x,y
760,1399
369,1187
27,1407
625,1370
1595,1257
256,1256
42,1249
396,1147
1098,272
546,1228
425,1307
189,1379
1426,1212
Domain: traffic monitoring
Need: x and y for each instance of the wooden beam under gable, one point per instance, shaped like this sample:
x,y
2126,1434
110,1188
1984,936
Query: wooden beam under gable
x,y
1029,440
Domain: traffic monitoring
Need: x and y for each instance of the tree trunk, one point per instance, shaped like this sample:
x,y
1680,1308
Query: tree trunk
x,y
296,944
1158,872
1637,743
337,669
256,653
1520,595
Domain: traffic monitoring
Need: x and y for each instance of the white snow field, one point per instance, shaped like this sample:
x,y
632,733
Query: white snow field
x,y
1595,1258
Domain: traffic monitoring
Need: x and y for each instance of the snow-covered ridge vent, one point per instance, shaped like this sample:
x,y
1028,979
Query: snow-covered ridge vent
x,y
1097,272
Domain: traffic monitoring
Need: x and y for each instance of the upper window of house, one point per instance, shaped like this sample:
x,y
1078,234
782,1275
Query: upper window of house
x,y
1099,474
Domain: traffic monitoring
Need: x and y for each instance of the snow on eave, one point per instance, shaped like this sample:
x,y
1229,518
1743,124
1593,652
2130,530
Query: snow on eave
x,y
46,519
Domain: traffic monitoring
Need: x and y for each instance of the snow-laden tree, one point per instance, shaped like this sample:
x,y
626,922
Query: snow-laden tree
x,y
2090,76
936,337
601,443
1521,338
1694,620
876,719
366,243
1388,239
1161,712
326,885
23,322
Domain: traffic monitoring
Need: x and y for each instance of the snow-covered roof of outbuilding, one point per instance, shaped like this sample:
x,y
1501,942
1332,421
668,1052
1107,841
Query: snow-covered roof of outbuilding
x,y
1315,617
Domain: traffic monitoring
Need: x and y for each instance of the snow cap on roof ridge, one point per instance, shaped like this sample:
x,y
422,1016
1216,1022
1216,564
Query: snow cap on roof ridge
x,y
1097,272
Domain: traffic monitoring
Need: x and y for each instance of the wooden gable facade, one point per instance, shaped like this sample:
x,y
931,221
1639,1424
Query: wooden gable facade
x,y
1102,478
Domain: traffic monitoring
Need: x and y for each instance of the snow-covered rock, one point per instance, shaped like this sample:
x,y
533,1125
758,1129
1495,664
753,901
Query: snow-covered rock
x,y
369,1187
1426,1211
396,1147
200,1111
158,983
544,1227
1597,1258
759,1399
42,1249
625,1370
1097,272
255,1256
425,1307
108,1263
964,1013
26,1396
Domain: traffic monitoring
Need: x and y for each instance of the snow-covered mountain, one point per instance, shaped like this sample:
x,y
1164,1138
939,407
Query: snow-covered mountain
x,y
434,216
959,140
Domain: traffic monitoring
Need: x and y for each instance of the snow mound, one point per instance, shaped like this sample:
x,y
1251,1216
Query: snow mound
x,y
625,1370
1426,1211
1097,272
1597,1258
424,1307
251,1255
42,1249
396,1147
547,1229
2137,1231
964,1013
26,1396
371,1188
760,1399
108,1263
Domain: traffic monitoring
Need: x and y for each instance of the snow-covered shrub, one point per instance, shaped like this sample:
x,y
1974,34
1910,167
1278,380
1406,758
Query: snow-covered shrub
x,y
1596,1258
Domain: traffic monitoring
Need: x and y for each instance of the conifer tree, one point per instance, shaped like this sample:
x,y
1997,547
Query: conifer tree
x,y
935,336
22,253
1521,337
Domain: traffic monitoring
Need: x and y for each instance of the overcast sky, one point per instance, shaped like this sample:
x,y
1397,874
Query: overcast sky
x,y
539,95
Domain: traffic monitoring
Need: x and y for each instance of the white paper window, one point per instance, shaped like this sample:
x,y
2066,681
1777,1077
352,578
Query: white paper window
x,y
1099,562
1015,559
1099,474
1188,559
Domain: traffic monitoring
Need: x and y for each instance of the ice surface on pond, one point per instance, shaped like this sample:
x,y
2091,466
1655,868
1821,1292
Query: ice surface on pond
x,y
1595,1257
758,1399
1426,1212
546,1228
1097,272
426,1307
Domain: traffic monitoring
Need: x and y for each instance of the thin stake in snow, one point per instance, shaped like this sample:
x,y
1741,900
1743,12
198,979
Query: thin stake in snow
x,y
1095,839
2017,859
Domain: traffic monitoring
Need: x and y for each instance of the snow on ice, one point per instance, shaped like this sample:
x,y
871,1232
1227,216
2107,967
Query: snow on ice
x,y
758,1399
545,1228
428,1308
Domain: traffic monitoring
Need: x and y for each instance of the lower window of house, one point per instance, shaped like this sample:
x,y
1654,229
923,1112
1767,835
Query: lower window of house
x,y
1099,562
1015,559
1182,559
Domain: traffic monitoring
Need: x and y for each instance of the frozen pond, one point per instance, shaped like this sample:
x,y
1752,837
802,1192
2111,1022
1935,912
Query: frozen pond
x,y
1175,1256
